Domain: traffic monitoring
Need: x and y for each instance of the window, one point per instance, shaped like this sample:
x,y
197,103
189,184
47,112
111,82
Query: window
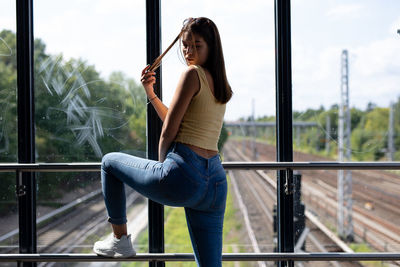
x,y
247,36
340,54
8,126
88,102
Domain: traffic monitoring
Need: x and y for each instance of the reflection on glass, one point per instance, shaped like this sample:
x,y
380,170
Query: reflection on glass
x,y
9,238
8,98
80,116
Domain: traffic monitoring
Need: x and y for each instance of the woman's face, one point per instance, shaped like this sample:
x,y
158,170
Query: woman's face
x,y
195,53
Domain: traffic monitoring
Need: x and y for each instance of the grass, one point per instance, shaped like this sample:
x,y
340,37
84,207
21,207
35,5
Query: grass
x,y
177,238
363,247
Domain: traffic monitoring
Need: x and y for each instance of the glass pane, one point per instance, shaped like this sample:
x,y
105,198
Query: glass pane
x,y
8,128
8,84
248,47
250,72
71,212
347,108
342,54
369,215
88,101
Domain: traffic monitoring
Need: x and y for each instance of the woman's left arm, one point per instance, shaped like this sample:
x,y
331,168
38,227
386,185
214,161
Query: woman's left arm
x,y
188,86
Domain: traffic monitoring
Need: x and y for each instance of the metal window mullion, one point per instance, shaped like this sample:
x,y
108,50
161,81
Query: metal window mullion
x,y
26,183
284,133
154,125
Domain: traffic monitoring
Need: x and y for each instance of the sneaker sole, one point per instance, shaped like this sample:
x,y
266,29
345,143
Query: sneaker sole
x,y
112,254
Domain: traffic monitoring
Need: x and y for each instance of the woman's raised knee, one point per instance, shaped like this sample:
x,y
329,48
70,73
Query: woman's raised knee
x,y
107,159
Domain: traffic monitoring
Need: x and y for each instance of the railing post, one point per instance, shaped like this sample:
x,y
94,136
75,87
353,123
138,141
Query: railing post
x,y
284,132
26,182
153,44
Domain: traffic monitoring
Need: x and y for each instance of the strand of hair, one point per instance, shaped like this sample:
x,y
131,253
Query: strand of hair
x,y
157,61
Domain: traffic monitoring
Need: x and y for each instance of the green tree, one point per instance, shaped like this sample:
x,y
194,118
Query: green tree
x,y
369,139
8,97
79,116
8,114
223,137
396,113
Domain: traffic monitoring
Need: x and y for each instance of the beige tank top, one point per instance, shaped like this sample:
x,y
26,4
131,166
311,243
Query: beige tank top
x,y
202,122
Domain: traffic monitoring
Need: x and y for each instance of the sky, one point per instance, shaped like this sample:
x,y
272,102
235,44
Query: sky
x,y
111,36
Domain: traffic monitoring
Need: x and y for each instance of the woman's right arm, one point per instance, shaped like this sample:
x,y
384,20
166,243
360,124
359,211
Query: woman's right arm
x,y
148,80
159,106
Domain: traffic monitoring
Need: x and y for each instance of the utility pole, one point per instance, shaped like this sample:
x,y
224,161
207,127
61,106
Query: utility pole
x,y
243,131
327,134
391,133
298,129
345,205
254,134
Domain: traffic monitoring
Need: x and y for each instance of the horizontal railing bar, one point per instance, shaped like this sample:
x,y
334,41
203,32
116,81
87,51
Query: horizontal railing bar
x,y
312,165
267,124
234,165
384,256
51,167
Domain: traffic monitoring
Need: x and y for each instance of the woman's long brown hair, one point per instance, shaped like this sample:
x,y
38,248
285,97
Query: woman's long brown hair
x,y
215,63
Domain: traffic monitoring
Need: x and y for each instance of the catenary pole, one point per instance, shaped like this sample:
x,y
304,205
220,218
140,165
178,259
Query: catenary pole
x,y
345,204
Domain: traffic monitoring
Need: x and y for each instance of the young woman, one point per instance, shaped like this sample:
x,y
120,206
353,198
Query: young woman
x,y
189,172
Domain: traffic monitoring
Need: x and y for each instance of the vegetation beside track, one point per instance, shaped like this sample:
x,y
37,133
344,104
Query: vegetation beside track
x,y
363,248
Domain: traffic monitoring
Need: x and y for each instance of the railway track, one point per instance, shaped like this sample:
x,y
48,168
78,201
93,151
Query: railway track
x,y
375,192
79,230
379,227
258,190
66,229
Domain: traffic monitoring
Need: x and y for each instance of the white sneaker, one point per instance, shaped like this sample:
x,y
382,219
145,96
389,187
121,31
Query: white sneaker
x,y
114,247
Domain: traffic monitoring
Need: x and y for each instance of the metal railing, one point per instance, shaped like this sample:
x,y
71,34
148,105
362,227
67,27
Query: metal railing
x,y
154,257
234,165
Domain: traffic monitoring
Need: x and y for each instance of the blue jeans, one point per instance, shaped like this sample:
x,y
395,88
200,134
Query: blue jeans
x,y
184,179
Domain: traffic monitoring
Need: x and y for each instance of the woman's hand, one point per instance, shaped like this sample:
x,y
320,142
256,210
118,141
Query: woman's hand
x,y
148,79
